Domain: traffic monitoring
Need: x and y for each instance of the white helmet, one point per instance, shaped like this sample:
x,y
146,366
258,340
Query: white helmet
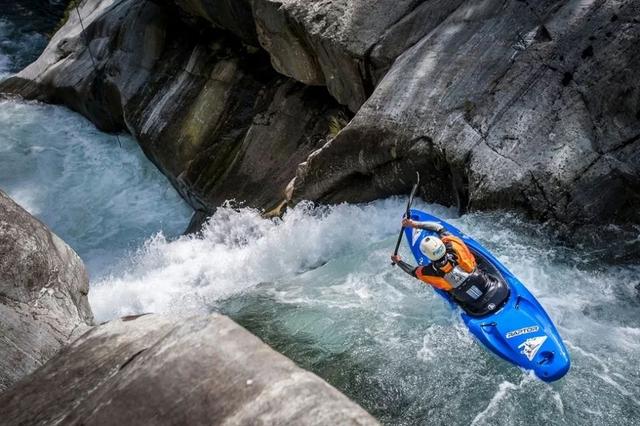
x,y
433,248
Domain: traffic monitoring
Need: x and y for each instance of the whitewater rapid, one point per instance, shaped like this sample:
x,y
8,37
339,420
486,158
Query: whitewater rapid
x,y
318,286
103,199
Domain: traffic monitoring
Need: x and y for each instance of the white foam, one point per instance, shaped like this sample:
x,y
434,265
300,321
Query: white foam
x,y
101,199
238,250
494,403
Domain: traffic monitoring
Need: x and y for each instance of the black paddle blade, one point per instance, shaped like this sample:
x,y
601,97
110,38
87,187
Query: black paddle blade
x,y
413,193
409,203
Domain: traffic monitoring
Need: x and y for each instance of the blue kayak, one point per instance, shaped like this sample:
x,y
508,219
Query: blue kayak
x,y
520,331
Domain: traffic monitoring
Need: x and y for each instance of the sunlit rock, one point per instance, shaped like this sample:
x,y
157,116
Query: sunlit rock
x,y
516,105
530,105
160,370
43,293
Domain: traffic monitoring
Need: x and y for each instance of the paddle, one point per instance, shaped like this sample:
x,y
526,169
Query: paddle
x,y
413,193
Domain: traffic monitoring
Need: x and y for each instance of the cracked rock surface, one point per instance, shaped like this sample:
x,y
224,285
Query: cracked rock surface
x,y
503,104
159,370
498,104
43,293
346,45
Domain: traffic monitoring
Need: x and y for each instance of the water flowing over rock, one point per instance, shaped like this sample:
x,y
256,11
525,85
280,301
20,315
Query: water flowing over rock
x,y
154,369
43,293
529,105
207,109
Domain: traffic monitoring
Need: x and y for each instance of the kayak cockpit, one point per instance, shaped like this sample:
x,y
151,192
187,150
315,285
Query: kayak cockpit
x,y
498,290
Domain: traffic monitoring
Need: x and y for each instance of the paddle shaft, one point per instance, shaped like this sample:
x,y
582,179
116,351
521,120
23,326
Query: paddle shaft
x,y
409,202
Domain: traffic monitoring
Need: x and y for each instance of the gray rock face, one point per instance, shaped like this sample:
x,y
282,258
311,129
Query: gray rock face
x,y
530,105
232,15
503,104
346,45
43,293
156,370
208,110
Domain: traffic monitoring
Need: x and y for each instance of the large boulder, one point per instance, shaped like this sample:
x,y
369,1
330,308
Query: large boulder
x,y
516,104
158,370
504,104
43,293
207,109
346,45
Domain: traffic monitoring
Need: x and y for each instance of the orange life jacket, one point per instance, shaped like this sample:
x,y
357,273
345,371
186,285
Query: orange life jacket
x,y
465,260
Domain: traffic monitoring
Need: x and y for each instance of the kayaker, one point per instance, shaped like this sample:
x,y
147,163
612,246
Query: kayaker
x,y
453,268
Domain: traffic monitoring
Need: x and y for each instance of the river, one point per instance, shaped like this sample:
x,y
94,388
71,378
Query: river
x,y
317,284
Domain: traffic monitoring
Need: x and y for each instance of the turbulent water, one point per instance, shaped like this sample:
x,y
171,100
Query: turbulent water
x,y
23,31
102,199
11,49
317,285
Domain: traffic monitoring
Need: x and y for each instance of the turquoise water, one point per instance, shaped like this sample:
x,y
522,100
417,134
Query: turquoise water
x,y
102,199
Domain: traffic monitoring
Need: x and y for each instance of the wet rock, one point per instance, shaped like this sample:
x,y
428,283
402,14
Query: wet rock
x,y
43,293
530,105
296,122
346,45
154,369
208,110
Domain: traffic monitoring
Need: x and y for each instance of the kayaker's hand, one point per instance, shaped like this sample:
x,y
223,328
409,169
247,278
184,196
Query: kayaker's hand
x,y
395,258
407,223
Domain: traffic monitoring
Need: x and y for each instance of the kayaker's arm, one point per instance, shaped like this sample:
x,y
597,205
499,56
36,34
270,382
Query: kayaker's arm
x,y
409,269
430,226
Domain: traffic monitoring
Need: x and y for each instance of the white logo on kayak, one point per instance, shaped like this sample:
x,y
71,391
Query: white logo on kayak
x,y
416,235
522,331
531,346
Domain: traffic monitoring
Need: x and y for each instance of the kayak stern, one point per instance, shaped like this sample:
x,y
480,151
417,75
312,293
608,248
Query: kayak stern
x,y
522,334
